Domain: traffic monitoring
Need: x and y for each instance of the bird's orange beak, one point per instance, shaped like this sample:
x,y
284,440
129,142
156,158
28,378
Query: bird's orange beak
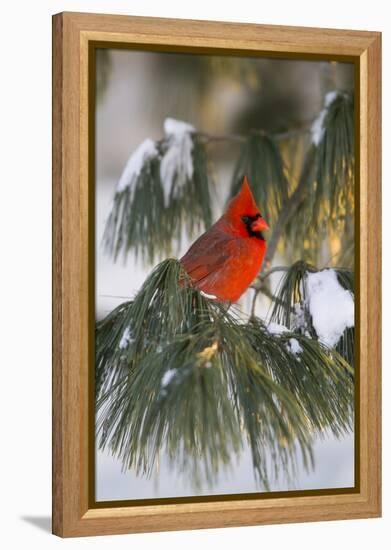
x,y
259,225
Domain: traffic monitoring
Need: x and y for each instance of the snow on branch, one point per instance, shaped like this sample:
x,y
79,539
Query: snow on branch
x,y
163,191
318,304
138,161
317,128
176,167
330,305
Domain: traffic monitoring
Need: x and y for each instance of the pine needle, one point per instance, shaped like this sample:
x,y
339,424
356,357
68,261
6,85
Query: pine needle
x,y
260,160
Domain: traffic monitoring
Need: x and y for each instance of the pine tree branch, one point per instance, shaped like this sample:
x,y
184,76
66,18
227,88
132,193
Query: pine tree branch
x,y
284,216
291,205
279,136
263,276
259,286
179,374
268,293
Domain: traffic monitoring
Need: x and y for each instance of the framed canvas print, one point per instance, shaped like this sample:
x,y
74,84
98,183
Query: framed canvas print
x,y
216,239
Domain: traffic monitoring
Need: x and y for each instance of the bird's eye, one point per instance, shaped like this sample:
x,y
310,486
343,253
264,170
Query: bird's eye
x,y
245,219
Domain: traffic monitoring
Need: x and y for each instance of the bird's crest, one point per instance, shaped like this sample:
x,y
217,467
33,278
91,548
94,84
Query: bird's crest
x,y
243,203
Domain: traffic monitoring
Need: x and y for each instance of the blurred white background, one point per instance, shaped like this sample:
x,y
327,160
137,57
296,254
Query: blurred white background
x,y
25,221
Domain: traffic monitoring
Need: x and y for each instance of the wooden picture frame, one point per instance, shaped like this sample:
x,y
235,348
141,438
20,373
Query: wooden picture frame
x,y
74,37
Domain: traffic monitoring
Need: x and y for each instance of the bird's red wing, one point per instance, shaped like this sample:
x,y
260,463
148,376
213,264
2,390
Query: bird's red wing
x,y
207,255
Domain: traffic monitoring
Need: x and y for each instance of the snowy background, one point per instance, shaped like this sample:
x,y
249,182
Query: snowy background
x,y
142,91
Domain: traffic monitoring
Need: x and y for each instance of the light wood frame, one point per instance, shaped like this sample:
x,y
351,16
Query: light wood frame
x,y
72,33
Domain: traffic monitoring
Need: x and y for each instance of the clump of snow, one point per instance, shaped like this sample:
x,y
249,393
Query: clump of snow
x,y
298,317
294,346
209,296
144,152
330,305
167,377
176,127
298,320
176,167
275,328
125,339
317,128
330,97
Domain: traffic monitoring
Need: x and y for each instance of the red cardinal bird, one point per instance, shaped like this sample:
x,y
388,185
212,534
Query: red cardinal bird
x,y
225,260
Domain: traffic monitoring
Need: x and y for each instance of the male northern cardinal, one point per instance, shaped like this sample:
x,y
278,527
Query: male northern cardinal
x,y
225,260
